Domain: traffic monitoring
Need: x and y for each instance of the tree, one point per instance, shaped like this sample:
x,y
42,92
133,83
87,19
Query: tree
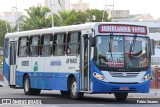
x,y
3,30
64,17
76,17
36,18
96,15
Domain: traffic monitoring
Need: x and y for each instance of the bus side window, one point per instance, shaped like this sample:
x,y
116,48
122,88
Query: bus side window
x,y
23,47
73,43
59,44
46,43
34,46
6,48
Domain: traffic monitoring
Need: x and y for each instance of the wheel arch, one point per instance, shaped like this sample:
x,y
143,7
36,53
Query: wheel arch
x,y
69,80
25,74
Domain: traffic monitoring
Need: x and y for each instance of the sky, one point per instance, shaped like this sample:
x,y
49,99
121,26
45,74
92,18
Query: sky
x,y
135,6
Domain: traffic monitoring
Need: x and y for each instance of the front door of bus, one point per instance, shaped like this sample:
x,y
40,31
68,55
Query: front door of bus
x,y
12,62
85,63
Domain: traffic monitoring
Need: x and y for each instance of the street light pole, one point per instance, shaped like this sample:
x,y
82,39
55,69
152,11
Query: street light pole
x,y
51,6
112,12
17,16
104,11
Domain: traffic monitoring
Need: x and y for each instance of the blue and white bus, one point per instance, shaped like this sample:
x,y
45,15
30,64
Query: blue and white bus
x,y
102,57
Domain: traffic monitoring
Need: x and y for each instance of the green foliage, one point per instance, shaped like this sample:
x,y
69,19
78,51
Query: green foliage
x,y
37,17
96,15
3,30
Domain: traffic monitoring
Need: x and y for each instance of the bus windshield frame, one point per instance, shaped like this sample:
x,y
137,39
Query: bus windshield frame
x,y
122,52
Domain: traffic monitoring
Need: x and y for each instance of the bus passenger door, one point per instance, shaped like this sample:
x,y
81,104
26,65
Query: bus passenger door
x,y
85,63
12,63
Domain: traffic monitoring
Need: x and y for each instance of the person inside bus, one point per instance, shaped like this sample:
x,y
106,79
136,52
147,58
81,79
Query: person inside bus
x,y
103,60
135,59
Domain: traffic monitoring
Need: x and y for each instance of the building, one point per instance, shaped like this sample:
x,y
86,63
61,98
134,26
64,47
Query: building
x,y
12,16
119,15
80,6
63,5
142,17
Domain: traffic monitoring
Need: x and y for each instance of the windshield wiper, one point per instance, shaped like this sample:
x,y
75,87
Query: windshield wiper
x,y
110,45
131,49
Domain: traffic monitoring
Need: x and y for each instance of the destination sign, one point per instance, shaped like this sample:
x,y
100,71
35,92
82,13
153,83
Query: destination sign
x,y
118,28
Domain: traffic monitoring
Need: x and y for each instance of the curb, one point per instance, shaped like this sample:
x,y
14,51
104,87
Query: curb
x,y
1,84
1,80
1,77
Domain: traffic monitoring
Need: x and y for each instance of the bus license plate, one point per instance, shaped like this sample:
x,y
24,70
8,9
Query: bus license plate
x,y
124,88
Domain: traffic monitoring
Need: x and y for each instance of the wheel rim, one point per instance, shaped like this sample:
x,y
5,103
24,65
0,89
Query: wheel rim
x,y
26,86
74,88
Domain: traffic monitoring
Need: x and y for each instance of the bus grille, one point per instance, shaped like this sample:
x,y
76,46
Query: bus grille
x,y
124,74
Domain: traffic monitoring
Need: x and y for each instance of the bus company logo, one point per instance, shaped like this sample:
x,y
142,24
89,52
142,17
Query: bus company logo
x,y
56,62
35,68
6,101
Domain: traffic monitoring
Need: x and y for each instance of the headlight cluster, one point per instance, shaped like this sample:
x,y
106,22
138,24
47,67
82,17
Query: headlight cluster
x,y
98,76
146,77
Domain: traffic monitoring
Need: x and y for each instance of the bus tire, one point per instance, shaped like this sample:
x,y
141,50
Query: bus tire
x,y
27,86
74,94
65,93
36,91
121,96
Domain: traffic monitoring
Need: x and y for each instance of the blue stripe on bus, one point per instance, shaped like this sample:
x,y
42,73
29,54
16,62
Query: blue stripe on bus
x,y
46,80
5,69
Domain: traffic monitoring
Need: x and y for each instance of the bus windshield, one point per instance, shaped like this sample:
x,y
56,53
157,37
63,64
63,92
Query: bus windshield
x,y
116,51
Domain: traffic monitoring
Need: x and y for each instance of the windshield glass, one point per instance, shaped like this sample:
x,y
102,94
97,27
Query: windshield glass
x,y
122,51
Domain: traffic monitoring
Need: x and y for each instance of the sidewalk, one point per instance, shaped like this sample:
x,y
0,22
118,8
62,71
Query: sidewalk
x,y
153,93
1,80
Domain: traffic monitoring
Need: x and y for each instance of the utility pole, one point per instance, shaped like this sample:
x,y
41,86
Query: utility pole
x,y
17,16
51,6
104,11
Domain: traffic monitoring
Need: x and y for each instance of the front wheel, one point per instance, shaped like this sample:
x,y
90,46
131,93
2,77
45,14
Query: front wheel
x,y
121,96
74,94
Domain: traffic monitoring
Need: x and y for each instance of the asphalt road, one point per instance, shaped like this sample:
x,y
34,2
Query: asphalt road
x,y
53,98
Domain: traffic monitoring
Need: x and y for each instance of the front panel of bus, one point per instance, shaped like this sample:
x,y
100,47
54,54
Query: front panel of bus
x,y
121,61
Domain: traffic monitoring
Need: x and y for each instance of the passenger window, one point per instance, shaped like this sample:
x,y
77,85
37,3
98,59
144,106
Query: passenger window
x,y
73,43
23,47
34,46
59,44
46,43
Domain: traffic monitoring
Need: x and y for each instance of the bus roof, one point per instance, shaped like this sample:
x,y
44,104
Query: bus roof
x,y
88,25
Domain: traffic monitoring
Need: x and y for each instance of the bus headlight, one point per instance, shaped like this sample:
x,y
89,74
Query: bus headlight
x,y
146,77
98,76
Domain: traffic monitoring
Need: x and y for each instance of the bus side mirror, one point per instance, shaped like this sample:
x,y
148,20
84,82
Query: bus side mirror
x,y
93,41
152,47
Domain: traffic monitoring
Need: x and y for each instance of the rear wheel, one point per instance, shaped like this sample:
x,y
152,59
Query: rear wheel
x,y
27,87
121,96
74,94
64,93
